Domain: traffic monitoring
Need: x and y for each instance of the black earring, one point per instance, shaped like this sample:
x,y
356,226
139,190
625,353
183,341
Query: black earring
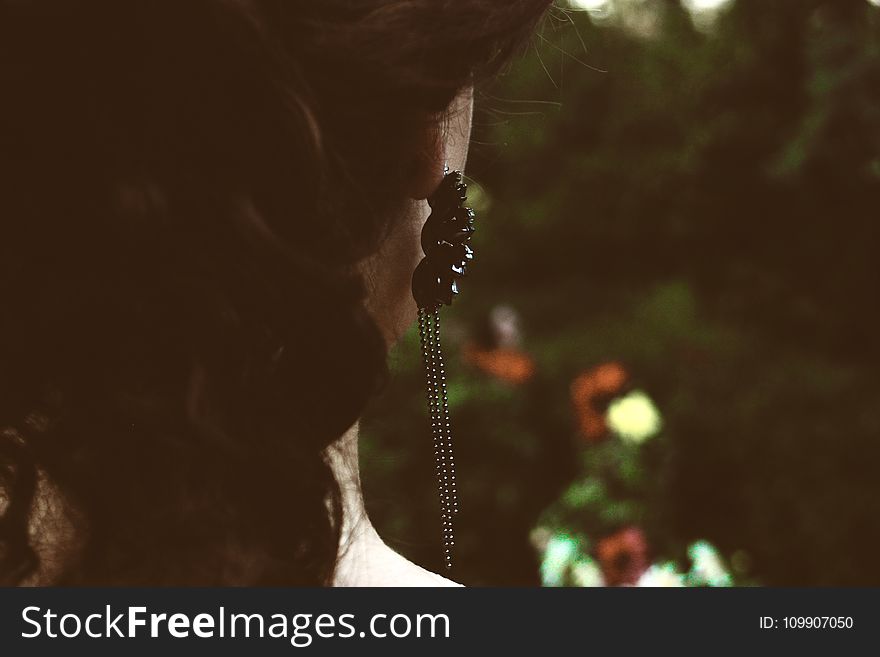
x,y
445,239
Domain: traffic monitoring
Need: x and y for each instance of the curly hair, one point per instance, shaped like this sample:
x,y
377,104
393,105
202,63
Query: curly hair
x,y
185,188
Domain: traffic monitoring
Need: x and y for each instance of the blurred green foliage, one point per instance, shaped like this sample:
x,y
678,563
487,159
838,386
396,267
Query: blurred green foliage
x,y
703,208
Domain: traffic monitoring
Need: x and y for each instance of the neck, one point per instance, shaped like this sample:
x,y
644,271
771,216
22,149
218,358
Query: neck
x,y
358,537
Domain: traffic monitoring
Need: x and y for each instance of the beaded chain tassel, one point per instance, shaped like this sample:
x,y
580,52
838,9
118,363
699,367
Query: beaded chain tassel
x,y
438,408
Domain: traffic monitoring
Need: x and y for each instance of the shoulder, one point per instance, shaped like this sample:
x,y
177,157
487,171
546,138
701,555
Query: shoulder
x,y
368,561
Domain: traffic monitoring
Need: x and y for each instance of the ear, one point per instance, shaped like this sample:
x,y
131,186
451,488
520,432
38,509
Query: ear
x,y
429,161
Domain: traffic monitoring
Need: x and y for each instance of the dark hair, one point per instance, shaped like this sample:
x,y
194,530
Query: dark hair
x,y
184,190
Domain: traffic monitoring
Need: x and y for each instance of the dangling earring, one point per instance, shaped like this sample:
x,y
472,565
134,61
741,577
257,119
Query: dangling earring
x,y
445,239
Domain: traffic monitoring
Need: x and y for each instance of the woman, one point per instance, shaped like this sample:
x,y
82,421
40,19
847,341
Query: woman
x,y
209,219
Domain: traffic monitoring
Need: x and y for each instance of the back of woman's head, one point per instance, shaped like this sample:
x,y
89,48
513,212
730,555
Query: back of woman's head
x,y
184,190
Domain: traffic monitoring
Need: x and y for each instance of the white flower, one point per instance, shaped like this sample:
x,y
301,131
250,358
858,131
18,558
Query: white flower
x,y
634,417
585,572
708,568
661,576
561,550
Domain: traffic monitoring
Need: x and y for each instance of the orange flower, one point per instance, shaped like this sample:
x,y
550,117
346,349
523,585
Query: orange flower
x,y
510,365
588,389
623,557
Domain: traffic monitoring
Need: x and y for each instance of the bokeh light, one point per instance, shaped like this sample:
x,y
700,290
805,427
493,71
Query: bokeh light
x,y
634,417
590,5
705,5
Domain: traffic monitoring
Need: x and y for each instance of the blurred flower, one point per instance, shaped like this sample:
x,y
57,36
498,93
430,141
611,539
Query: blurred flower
x,y
585,572
634,418
561,551
507,365
707,568
663,575
589,391
623,557
563,562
